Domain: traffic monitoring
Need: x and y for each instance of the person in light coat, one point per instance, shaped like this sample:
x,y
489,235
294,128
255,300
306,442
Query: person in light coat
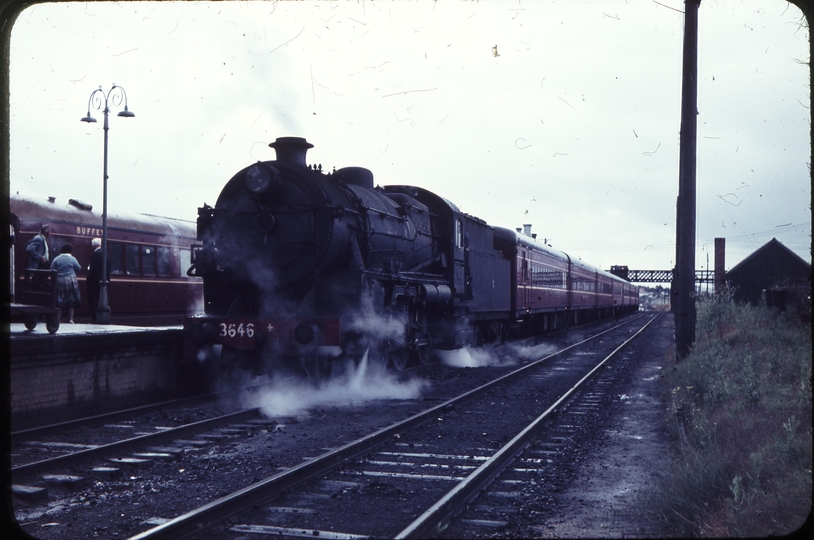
x,y
66,267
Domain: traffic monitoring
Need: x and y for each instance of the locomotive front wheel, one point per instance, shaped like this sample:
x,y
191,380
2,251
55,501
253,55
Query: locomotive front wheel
x,y
318,370
422,355
234,368
52,325
30,322
397,359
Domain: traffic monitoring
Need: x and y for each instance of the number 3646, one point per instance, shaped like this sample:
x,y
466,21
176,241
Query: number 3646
x,y
234,330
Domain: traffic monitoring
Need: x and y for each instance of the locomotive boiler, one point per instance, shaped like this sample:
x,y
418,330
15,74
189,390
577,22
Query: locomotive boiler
x,y
306,270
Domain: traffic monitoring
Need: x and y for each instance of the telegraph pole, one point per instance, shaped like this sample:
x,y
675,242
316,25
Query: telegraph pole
x,y
686,206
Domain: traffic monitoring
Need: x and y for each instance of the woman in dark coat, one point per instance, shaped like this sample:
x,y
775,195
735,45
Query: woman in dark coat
x,y
94,276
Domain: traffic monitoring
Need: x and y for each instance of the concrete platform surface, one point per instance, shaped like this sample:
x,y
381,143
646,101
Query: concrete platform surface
x,y
66,328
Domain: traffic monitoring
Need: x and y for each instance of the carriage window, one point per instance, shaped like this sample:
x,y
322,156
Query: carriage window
x,y
55,244
133,266
148,260
459,234
163,261
186,260
116,252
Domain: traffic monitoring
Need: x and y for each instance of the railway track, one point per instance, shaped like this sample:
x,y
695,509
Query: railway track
x,y
274,459
121,431
32,433
128,445
408,480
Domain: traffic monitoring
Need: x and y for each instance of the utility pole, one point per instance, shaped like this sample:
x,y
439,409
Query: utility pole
x,y
686,206
720,266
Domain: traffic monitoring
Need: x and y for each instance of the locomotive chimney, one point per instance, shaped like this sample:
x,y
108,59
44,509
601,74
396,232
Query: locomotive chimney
x,y
291,150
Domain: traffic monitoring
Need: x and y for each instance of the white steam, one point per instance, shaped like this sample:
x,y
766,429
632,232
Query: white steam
x,y
374,325
533,352
378,328
481,357
507,355
365,382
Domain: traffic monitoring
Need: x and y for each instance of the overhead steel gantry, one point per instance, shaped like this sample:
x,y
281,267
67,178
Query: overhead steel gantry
x,y
658,276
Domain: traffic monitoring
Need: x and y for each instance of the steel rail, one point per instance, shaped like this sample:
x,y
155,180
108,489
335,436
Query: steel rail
x,y
438,515
205,516
135,442
41,430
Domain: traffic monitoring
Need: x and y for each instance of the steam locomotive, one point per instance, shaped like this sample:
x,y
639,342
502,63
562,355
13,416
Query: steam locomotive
x,y
305,270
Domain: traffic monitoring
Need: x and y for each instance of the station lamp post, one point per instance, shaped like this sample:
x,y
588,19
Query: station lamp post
x,y
114,98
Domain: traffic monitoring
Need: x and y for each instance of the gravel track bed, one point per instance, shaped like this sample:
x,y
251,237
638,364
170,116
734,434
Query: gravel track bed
x,y
384,492
597,483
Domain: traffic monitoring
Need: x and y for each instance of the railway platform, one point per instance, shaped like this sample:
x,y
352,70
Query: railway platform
x,y
19,331
89,369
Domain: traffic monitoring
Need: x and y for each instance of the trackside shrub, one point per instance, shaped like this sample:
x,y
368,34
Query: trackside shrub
x,y
742,425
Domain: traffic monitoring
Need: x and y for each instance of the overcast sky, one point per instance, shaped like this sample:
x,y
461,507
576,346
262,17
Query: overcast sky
x,y
561,114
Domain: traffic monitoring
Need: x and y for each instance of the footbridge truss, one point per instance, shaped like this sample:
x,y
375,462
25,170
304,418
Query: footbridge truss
x,y
658,276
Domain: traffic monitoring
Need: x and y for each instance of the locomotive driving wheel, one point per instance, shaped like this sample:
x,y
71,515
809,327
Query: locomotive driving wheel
x,y
423,350
424,354
397,359
393,356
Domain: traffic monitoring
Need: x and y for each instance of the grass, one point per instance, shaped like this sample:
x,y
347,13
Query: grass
x,y
742,425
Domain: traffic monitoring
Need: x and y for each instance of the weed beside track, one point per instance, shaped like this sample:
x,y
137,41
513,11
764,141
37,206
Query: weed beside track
x,y
743,425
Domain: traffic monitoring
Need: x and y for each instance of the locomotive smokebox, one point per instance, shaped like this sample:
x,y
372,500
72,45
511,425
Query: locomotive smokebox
x,y
291,150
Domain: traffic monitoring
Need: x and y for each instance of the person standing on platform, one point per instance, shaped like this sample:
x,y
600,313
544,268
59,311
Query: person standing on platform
x,y
37,249
95,277
66,267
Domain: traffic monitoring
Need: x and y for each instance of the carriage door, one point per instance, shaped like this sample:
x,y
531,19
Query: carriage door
x,y
569,285
11,274
596,289
525,282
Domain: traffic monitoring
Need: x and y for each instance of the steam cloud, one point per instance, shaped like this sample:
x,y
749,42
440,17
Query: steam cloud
x,y
507,355
366,382
375,326
533,352
480,357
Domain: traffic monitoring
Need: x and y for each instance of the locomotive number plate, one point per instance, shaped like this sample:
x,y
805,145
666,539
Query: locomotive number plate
x,y
233,330
241,334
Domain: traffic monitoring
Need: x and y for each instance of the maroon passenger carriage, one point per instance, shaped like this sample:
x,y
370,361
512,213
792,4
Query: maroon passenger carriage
x,y
550,289
149,258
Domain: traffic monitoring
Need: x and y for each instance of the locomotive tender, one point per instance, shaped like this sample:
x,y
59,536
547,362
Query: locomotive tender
x,y
308,269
